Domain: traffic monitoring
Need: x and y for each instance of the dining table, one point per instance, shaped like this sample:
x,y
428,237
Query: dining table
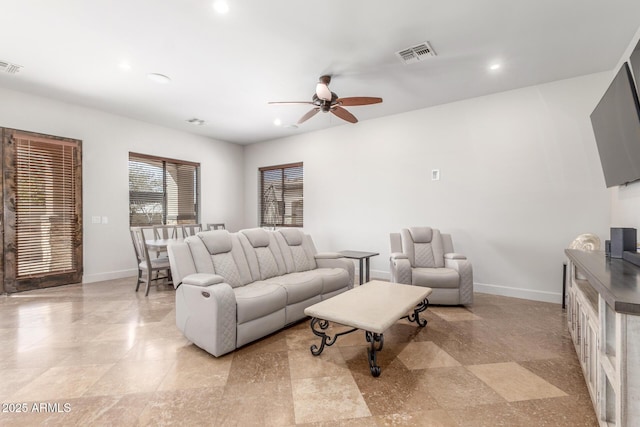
x,y
160,245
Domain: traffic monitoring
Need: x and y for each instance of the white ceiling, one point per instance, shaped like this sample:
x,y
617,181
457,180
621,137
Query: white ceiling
x,y
225,68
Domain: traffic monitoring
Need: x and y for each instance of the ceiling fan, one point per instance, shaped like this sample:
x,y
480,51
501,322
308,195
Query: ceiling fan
x,y
328,102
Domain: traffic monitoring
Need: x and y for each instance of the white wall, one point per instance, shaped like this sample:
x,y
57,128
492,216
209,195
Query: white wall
x,y
520,179
106,142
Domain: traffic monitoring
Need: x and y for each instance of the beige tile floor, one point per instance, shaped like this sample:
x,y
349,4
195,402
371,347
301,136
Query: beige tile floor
x,y
109,356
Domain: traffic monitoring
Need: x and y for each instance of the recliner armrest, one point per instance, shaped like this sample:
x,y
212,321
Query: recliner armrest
x,y
399,255
328,255
454,255
202,279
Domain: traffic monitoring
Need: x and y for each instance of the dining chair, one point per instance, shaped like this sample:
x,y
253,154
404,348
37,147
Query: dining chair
x,y
147,266
219,226
191,229
165,232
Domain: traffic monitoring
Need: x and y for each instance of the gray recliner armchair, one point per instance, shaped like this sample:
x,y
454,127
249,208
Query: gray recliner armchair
x,y
422,256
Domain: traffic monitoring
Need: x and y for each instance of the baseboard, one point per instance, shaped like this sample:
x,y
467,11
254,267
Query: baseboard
x,y
100,277
379,274
508,291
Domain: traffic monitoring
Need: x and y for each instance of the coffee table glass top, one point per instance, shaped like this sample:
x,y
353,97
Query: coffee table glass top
x,y
374,306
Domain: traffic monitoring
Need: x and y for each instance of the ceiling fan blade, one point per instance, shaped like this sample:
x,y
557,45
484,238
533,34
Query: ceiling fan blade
x,y
358,100
309,114
344,114
290,102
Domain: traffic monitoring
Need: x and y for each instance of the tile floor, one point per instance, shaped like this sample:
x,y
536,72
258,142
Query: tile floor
x,y
109,356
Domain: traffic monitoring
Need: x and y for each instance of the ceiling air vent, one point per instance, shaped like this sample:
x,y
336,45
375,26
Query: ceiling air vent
x,y
6,67
416,53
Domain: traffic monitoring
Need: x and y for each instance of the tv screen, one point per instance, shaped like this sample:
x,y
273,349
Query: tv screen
x,y
616,125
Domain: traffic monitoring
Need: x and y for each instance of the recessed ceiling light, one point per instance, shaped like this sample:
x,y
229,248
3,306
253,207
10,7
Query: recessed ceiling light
x,y
221,6
277,122
158,78
494,67
124,65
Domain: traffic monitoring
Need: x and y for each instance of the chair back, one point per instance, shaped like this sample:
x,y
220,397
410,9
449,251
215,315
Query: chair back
x,y
423,246
191,229
218,226
165,232
140,244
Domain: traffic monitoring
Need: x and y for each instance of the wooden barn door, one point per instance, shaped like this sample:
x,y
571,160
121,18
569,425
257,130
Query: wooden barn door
x,y
41,210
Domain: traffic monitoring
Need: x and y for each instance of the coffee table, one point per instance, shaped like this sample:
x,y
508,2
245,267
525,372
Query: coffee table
x,y
372,307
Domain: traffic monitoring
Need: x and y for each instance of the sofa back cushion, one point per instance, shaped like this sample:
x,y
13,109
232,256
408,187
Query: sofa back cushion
x,y
423,246
262,252
225,256
297,250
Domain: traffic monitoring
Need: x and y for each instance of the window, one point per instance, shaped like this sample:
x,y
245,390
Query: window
x,y
163,191
281,190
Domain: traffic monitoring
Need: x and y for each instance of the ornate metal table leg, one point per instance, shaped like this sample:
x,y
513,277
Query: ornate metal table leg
x,y
326,339
415,317
377,341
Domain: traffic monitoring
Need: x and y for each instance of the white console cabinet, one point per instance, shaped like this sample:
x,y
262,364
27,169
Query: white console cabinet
x,y
603,316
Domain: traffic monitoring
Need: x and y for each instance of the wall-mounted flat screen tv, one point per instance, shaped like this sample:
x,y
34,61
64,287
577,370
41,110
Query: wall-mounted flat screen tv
x,y
616,125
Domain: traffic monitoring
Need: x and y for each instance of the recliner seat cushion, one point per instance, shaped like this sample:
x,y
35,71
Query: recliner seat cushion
x,y
333,278
258,299
435,277
299,286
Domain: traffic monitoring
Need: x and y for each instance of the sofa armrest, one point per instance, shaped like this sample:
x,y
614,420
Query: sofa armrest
x,y
338,263
399,255
206,315
328,255
181,262
465,271
400,269
453,255
202,279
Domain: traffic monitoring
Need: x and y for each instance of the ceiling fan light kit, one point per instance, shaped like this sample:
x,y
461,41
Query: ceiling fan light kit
x,y
328,102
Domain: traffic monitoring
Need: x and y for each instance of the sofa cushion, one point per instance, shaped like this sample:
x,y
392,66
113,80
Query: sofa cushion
x,y
292,236
299,286
333,279
258,237
259,299
216,241
435,277
421,234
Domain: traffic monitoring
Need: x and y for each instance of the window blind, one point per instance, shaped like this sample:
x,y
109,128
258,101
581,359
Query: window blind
x,y
46,214
162,191
282,195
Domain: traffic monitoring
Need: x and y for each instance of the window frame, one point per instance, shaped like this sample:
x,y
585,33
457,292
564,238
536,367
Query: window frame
x,y
286,198
162,198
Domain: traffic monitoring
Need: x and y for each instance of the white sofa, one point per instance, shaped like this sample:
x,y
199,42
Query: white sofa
x,y
234,288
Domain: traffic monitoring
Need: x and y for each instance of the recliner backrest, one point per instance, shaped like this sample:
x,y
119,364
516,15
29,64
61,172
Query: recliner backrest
x,y
219,252
297,249
423,246
263,253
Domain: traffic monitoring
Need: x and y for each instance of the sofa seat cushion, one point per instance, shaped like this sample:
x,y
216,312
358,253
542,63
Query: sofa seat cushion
x,y
259,299
299,286
333,278
435,277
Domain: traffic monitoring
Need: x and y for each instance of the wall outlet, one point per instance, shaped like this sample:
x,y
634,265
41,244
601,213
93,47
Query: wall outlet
x,y
105,220
435,175
95,220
